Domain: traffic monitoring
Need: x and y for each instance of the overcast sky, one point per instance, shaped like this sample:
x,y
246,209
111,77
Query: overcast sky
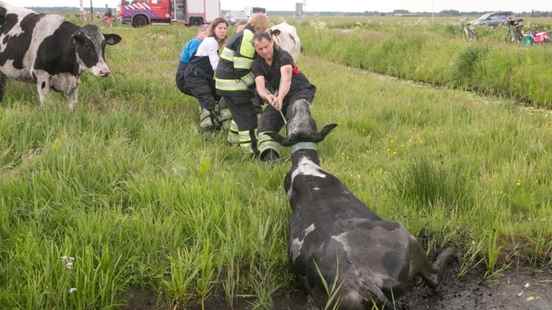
x,y
344,5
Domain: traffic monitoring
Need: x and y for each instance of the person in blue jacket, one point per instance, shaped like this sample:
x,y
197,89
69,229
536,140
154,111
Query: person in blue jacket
x,y
188,51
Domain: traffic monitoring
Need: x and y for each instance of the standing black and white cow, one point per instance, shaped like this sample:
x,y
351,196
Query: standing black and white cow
x,y
286,37
334,235
47,50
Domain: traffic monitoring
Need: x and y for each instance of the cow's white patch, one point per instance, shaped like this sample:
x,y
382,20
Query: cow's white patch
x,y
297,244
45,27
16,29
12,72
10,9
342,238
14,32
379,278
101,68
64,82
305,167
68,84
42,85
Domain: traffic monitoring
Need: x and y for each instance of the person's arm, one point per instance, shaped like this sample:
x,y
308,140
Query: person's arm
x,y
212,52
246,51
285,85
260,84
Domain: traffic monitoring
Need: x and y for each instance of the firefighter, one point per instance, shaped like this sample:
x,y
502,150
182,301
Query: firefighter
x,y
280,83
199,77
234,82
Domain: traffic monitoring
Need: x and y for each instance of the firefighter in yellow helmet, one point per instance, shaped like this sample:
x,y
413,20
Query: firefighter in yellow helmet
x,y
234,83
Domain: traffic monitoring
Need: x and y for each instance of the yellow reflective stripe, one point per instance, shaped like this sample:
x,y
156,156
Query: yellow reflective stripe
x,y
247,49
227,54
242,63
230,85
248,79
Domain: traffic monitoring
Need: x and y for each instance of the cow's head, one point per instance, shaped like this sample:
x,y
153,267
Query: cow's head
x,y
301,126
275,34
89,45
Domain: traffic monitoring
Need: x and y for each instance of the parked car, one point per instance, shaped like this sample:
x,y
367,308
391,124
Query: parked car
x,y
493,19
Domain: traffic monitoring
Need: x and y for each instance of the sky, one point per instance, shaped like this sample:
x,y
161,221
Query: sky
x,y
343,5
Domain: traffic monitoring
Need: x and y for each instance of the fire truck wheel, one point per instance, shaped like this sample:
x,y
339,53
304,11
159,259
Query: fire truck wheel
x,y
196,21
139,21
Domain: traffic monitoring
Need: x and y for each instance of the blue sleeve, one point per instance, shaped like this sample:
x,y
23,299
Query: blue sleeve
x,y
189,50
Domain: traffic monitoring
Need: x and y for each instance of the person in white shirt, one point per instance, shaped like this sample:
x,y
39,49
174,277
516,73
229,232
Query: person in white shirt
x,y
199,76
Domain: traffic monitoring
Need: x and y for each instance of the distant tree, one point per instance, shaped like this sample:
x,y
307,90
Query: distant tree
x,y
450,13
401,12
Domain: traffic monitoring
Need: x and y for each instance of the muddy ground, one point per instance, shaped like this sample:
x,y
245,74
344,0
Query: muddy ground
x,y
519,289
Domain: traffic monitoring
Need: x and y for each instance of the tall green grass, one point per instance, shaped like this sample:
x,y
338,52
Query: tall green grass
x,y
128,187
438,54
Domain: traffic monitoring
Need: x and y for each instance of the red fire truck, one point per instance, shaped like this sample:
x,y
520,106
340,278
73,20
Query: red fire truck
x,y
139,13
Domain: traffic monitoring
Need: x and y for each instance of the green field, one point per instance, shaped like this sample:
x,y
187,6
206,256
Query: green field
x,y
128,186
437,53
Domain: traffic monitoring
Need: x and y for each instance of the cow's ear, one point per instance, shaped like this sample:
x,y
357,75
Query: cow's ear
x,y
112,39
275,32
276,137
324,132
79,37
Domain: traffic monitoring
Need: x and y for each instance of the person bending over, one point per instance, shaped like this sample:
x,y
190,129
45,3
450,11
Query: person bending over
x,y
234,82
279,82
199,77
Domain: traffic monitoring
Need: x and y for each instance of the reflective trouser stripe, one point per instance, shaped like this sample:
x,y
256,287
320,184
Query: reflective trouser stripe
x,y
233,133
242,63
245,142
230,85
267,143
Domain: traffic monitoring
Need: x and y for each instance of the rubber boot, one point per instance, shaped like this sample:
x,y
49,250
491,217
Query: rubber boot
x,y
269,150
205,121
224,115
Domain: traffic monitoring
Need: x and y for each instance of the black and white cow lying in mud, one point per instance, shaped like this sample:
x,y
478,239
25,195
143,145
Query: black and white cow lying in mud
x,y
47,50
333,234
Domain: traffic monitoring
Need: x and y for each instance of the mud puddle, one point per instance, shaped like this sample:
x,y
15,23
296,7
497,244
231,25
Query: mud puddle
x,y
519,289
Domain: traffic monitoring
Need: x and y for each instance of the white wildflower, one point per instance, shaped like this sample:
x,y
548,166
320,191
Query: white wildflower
x,y
68,262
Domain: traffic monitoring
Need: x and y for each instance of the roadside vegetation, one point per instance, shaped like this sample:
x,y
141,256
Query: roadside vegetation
x,y
437,53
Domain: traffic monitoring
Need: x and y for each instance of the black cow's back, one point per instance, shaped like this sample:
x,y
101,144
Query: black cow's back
x,y
56,54
17,46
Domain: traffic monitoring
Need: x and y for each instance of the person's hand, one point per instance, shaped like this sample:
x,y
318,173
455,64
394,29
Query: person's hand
x,y
278,103
270,99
